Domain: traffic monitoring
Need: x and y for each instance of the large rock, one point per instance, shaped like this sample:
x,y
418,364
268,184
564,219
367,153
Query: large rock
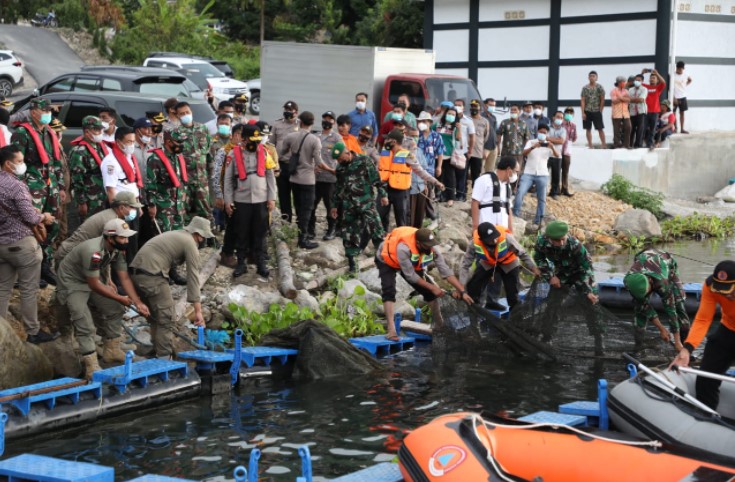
x,y
519,227
305,300
458,234
253,298
371,279
727,193
637,222
21,363
374,300
327,255
66,360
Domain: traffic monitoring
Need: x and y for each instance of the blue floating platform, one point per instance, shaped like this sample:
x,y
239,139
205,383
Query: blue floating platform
x,y
555,418
377,344
46,469
50,398
385,472
140,372
417,336
265,354
583,408
158,478
207,359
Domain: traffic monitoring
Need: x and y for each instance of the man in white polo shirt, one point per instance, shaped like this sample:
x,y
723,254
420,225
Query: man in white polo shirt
x,y
121,172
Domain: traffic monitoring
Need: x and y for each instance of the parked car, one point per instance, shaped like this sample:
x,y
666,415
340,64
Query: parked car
x,y
221,65
254,86
11,72
75,106
202,73
161,82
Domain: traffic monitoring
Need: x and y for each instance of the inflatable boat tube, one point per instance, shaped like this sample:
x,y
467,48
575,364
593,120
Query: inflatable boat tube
x,y
643,407
464,447
613,294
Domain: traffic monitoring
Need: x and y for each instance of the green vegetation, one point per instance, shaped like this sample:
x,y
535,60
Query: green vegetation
x,y
698,226
621,189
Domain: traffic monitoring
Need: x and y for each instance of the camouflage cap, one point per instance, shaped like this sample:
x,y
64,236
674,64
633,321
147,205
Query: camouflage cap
x,y
91,122
338,149
177,135
40,103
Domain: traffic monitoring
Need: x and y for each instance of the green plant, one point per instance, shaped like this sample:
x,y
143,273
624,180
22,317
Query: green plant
x,y
287,232
255,325
634,243
622,189
698,226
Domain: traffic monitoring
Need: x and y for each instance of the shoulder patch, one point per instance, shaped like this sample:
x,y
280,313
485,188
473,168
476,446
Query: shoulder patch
x,y
110,169
95,262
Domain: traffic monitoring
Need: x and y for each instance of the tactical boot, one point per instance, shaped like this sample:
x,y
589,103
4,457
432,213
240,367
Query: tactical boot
x,y
241,268
306,243
331,234
91,365
111,351
227,260
566,192
352,264
176,278
493,305
262,269
47,273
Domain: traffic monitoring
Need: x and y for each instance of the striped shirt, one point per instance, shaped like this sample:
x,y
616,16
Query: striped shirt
x,y
17,211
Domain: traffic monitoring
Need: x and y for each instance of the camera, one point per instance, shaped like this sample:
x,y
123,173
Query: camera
x,y
544,144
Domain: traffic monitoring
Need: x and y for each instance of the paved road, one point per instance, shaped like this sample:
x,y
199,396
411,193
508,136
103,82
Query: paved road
x,y
43,53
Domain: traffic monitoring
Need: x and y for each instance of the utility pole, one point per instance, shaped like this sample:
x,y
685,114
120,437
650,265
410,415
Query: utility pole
x,y
262,22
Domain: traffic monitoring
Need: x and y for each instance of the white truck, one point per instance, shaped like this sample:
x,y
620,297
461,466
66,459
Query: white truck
x,y
321,77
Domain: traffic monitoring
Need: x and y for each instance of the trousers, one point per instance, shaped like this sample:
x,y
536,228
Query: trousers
x,y
283,182
719,353
78,306
250,225
482,277
303,196
398,198
22,261
156,294
322,193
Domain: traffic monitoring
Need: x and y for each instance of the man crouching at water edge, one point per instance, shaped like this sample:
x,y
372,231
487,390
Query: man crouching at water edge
x,y
719,353
410,251
563,260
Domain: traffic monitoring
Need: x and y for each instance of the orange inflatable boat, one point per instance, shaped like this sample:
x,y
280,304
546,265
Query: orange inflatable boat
x,y
464,447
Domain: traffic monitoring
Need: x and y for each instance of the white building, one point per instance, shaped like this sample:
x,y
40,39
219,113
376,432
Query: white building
x,y
543,49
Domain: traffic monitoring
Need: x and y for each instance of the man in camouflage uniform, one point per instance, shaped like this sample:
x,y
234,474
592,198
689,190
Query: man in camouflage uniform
x,y
196,152
45,175
354,195
84,164
655,271
563,260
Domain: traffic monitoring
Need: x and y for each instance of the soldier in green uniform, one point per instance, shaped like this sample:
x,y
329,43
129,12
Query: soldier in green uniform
x,y
45,175
84,164
167,180
196,151
354,196
156,258
563,260
656,271
84,280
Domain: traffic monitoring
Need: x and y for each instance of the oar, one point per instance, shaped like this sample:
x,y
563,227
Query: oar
x,y
674,389
701,373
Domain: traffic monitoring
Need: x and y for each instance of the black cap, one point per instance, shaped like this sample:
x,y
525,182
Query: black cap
x,y
396,134
329,113
426,237
291,105
488,233
722,280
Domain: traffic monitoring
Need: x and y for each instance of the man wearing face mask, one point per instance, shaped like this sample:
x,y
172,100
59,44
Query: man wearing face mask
x,y
44,177
144,139
227,255
224,108
108,116
20,254
432,145
513,135
250,194
157,119
84,281
528,118
362,117
410,252
491,145
466,147
221,138
395,120
638,111
538,113
196,152
482,133
85,160
557,135
281,128
172,120
365,143
408,116
326,178
536,172
240,103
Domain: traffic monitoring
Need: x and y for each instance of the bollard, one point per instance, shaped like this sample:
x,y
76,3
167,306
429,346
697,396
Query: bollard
x,y
200,336
3,419
129,366
305,464
240,474
397,318
417,316
253,467
235,368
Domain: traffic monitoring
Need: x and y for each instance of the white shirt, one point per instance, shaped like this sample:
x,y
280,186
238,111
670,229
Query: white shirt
x,y
114,176
537,160
468,127
482,192
680,85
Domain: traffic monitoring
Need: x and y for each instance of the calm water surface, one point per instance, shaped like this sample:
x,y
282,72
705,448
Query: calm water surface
x,y
347,423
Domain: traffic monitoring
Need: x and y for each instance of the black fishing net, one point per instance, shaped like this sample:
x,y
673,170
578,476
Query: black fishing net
x,y
322,352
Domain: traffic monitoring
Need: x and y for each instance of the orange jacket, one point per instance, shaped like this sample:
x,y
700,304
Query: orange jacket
x,y
703,319
394,169
501,255
407,236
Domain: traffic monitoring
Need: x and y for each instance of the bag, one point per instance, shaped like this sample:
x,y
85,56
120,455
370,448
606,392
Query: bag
x,y
39,230
458,160
293,162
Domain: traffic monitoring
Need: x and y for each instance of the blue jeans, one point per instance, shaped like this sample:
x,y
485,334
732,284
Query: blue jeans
x,y
527,180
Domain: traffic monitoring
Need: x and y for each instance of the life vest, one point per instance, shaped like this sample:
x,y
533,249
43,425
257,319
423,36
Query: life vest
x,y
407,236
496,202
170,169
3,140
40,148
502,253
394,169
242,172
81,141
132,175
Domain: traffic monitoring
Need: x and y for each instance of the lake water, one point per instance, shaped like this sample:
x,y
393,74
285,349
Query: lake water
x,y
347,423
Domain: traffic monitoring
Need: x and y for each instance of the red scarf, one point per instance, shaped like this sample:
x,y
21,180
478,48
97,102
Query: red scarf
x,y
242,172
42,154
169,168
81,141
133,176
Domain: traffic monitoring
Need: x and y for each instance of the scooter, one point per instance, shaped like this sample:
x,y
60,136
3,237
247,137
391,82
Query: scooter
x,y
48,20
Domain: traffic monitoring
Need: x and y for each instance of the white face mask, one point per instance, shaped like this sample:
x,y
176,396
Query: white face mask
x,y
20,169
513,178
129,149
360,105
97,138
105,125
459,109
423,126
145,139
537,112
264,140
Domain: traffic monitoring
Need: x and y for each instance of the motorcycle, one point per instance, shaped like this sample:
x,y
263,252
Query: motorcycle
x,y
48,20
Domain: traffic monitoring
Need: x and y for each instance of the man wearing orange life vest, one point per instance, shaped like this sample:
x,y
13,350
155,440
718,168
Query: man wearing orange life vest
x,y
250,194
496,253
45,175
395,167
410,251
719,352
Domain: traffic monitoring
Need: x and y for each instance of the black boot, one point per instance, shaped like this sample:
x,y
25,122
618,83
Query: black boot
x,y
47,273
352,264
241,268
176,278
493,305
306,243
262,269
331,234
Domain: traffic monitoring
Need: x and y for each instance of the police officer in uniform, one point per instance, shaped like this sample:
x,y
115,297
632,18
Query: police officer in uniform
x,y
281,128
84,280
150,267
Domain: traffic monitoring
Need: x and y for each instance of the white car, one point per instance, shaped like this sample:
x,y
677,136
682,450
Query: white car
x,y
254,86
202,73
11,72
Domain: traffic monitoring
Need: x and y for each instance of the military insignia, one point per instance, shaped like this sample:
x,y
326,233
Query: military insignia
x,y
110,169
722,276
96,262
125,226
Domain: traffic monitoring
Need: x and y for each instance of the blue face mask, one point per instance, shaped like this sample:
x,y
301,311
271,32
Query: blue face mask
x,y
397,117
450,118
557,122
46,118
637,83
186,119
223,130
542,137
131,215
